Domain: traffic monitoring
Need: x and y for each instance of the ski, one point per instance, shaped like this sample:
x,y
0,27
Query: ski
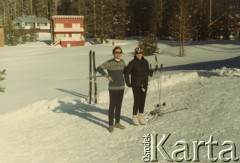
x,y
157,110
94,78
90,76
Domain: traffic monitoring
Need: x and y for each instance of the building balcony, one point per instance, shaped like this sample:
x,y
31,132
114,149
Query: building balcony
x,y
68,30
82,38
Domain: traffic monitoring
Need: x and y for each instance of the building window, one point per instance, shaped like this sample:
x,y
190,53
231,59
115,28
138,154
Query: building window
x,y
59,26
76,35
42,24
75,26
29,24
59,36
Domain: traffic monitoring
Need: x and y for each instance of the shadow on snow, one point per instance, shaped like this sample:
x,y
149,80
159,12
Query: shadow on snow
x,y
84,110
209,65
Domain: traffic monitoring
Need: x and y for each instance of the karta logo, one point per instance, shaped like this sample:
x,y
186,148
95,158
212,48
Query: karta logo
x,y
154,147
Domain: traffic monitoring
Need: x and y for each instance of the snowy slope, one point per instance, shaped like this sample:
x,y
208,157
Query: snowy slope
x,y
46,118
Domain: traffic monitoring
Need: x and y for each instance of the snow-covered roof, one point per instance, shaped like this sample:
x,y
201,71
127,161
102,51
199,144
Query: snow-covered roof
x,y
67,16
30,19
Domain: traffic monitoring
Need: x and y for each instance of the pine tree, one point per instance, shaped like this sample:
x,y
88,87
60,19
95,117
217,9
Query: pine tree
x,y
78,7
6,11
40,8
33,36
52,9
140,17
21,36
103,23
65,7
10,33
180,25
221,13
2,74
156,19
22,7
121,19
149,45
98,16
200,21
90,19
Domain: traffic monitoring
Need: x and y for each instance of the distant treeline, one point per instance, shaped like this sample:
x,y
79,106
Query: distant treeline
x,y
166,19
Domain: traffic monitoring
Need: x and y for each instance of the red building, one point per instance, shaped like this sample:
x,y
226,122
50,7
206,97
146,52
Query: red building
x,y
67,30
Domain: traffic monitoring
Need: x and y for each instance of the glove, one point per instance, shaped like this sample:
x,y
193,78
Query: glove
x,y
151,72
110,79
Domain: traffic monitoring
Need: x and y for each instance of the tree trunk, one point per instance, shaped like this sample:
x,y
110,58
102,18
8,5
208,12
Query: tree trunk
x,y
95,21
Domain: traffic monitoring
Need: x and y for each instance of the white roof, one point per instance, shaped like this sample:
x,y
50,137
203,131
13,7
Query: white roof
x,y
67,16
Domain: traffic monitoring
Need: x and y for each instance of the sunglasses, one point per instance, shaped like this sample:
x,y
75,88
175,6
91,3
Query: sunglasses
x,y
139,53
118,52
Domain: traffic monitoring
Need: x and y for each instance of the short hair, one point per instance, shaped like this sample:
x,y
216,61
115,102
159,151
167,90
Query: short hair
x,y
114,49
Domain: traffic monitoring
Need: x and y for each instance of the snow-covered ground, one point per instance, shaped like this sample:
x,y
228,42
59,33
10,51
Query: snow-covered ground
x,y
45,117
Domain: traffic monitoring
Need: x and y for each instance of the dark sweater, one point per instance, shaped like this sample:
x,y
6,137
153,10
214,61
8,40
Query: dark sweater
x,y
115,70
139,71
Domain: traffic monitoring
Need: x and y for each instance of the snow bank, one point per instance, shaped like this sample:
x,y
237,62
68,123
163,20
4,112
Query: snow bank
x,y
171,80
226,72
167,81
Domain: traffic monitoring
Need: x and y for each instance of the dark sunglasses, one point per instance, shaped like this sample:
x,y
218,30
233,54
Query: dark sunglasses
x,y
139,53
118,52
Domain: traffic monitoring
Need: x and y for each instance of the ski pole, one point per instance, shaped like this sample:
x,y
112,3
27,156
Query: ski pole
x,y
94,77
158,76
90,76
156,69
160,91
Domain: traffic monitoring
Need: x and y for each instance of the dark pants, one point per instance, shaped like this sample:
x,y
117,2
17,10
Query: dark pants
x,y
115,105
139,99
